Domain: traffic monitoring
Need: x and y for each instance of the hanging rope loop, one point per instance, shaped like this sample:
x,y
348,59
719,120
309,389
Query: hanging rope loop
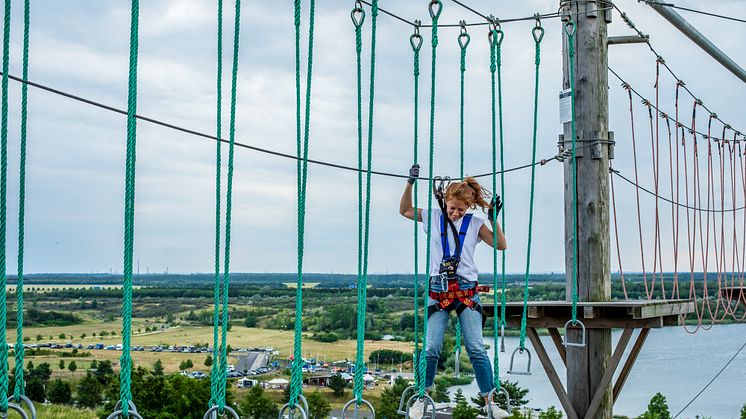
x,y
570,28
357,14
538,31
435,8
416,39
463,37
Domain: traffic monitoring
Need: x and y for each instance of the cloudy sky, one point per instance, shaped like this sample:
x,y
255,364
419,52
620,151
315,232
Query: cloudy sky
x,y
76,152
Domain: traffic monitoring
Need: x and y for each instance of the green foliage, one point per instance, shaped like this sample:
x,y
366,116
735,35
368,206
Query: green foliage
x,y
250,320
62,364
158,367
43,372
318,405
88,392
657,408
62,336
34,317
256,405
208,361
743,411
103,372
60,392
517,396
440,393
551,413
35,389
185,365
390,398
328,337
337,384
72,366
463,410
389,356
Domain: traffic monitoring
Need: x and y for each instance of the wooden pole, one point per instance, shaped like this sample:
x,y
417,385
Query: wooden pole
x,y
586,366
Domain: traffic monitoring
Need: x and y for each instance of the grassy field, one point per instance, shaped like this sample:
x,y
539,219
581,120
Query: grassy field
x,y
239,336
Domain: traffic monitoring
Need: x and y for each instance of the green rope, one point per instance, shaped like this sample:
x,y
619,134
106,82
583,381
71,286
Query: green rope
x,y
538,34
125,393
435,15
222,373
3,212
570,30
416,41
296,383
215,374
19,348
362,283
496,38
503,297
463,41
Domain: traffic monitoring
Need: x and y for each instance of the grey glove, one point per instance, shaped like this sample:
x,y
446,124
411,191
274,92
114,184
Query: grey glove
x,y
495,206
414,173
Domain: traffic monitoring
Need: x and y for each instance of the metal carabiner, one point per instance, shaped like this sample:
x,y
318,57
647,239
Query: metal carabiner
x,y
512,359
537,31
358,14
416,39
463,37
581,343
495,35
358,405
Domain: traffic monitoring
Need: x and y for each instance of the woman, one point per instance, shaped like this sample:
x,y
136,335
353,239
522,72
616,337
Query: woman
x,y
453,273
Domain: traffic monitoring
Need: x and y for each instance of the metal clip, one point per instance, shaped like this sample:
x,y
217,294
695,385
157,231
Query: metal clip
x,y
512,359
416,39
358,14
463,37
581,343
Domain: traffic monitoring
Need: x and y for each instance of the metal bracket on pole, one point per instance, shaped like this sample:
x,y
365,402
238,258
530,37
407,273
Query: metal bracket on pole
x,y
633,39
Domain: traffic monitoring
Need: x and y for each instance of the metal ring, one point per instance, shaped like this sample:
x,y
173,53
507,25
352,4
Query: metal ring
x,y
357,408
358,15
570,28
495,36
464,39
29,404
213,412
580,344
416,41
15,407
287,406
512,358
426,398
131,404
491,399
404,396
120,414
435,13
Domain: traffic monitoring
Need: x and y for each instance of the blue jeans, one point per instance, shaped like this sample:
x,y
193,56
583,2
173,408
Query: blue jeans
x,y
471,328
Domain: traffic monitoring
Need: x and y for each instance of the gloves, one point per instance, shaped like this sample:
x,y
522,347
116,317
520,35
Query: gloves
x,y
414,173
495,206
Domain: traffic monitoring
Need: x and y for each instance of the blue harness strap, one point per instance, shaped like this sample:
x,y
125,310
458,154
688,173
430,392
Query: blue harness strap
x,y
461,236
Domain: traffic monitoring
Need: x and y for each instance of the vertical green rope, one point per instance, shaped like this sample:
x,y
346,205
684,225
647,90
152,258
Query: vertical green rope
x,y
538,34
214,374
416,41
296,380
463,41
435,15
570,30
125,393
503,296
19,348
222,373
362,283
496,38
3,212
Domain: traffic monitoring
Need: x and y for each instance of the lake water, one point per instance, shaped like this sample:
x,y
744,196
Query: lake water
x,y
672,362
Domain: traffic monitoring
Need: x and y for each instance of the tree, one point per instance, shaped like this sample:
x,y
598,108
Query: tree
x,y
551,413
35,389
62,364
208,361
72,366
62,336
657,408
441,393
59,392
390,398
250,320
83,336
743,411
337,384
43,372
88,392
158,367
258,406
104,372
517,396
463,410
318,405
185,365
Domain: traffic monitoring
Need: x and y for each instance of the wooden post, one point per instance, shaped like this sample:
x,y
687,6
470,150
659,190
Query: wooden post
x,y
586,366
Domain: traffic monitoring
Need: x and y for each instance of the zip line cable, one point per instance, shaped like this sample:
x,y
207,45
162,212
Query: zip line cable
x,y
247,146
673,6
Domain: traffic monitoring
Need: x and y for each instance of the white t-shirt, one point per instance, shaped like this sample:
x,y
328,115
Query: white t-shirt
x,y
466,268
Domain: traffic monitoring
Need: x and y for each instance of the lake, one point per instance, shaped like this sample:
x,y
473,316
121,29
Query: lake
x,y
672,362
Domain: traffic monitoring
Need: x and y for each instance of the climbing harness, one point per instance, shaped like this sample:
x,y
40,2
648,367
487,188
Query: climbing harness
x,y
574,322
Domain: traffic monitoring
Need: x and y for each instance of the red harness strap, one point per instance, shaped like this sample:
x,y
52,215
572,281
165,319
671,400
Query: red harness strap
x,y
454,293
